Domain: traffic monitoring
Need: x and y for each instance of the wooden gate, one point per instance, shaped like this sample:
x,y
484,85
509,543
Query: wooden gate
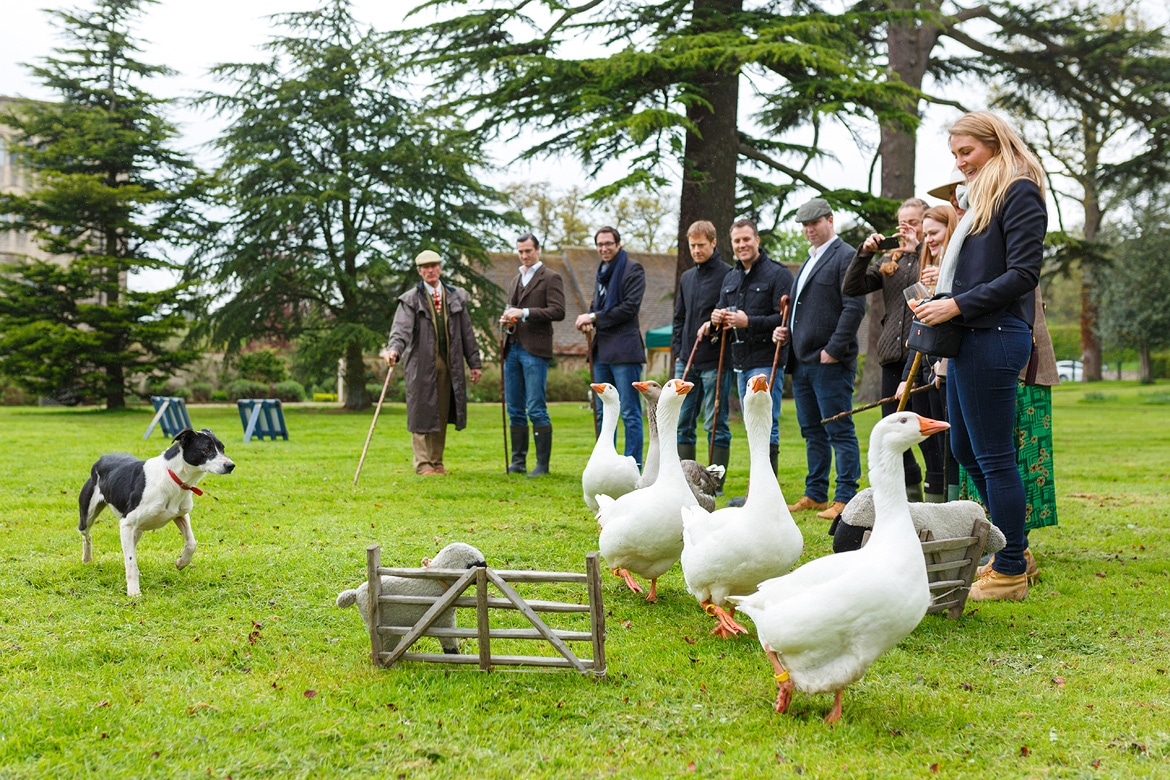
x,y
482,602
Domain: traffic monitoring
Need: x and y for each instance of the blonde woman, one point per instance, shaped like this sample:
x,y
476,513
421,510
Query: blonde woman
x,y
990,271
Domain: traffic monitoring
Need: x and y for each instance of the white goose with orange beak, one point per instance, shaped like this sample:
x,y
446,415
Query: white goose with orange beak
x,y
607,472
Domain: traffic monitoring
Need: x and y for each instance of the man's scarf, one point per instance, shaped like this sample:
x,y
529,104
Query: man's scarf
x,y
609,282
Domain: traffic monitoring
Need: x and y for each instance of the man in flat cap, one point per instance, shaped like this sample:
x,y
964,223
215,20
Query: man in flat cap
x,y
822,331
432,336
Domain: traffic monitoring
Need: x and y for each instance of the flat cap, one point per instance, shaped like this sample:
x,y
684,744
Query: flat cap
x,y
944,191
427,257
813,210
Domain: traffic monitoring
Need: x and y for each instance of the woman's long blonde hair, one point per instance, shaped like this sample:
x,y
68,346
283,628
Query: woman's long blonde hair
x,y
947,216
1011,160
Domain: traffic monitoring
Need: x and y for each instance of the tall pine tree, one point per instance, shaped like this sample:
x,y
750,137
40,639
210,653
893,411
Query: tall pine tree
x,y
108,196
334,181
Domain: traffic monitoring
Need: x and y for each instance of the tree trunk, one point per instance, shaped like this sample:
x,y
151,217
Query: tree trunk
x,y
908,47
115,387
710,156
1146,375
356,398
1090,333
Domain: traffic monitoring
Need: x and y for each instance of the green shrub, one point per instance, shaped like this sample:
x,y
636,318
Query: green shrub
x,y
201,392
290,390
328,385
219,396
325,397
568,385
12,394
262,365
1160,365
246,388
1066,341
181,392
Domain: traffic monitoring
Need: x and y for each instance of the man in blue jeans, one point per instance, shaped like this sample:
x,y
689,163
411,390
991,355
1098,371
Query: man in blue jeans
x,y
536,299
822,329
618,350
698,292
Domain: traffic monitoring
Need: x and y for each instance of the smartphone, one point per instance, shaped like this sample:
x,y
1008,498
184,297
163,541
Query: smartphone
x,y
893,242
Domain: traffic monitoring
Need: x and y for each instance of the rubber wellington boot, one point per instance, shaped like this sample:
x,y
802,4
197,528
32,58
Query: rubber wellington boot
x,y
519,464
719,457
542,436
914,493
686,451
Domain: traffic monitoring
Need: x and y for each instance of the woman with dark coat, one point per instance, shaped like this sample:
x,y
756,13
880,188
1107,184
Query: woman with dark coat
x,y
891,273
990,271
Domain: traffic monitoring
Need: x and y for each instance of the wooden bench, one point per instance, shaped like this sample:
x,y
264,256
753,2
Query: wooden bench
x,y
482,603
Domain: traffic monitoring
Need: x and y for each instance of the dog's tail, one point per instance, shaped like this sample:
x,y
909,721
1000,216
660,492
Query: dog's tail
x,y
347,598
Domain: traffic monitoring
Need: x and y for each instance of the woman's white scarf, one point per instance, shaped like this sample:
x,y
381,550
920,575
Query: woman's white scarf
x,y
950,261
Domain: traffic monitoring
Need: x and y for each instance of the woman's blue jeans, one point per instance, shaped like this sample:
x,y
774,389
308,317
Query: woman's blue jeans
x,y
981,403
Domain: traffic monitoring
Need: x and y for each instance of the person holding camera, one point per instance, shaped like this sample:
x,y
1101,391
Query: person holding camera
x,y
749,308
891,271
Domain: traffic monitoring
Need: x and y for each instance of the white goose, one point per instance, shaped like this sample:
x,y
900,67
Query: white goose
x,y
641,532
736,548
607,472
703,480
823,625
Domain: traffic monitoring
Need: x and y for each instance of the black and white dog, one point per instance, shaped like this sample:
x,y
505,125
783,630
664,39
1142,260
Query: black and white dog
x,y
148,494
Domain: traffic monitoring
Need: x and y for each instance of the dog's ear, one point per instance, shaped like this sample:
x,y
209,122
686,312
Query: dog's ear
x,y
183,435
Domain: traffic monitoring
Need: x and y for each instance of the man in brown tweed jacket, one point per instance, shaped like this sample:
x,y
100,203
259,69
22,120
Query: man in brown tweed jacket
x,y
536,299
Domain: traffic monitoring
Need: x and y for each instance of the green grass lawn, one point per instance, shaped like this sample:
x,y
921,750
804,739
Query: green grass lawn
x,y
240,666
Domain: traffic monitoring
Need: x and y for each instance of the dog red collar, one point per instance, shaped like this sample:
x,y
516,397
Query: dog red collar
x,y
183,485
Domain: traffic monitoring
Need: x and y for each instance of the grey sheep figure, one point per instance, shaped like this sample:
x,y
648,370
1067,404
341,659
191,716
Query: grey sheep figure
x,y
703,481
946,521
456,555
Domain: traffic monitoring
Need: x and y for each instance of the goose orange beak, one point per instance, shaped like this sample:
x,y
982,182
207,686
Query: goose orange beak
x,y
929,427
598,387
759,383
681,387
641,387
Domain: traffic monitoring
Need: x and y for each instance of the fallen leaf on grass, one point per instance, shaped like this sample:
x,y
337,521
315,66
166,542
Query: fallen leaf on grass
x,y
1058,682
310,694
1025,751
1096,764
627,623
690,766
934,769
103,704
201,705
967,686
1099,574
688,640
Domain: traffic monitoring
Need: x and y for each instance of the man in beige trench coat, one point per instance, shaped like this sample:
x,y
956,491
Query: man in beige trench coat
x,y
432,336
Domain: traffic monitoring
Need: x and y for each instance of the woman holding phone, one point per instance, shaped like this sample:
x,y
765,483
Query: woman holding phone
x,y
891,272
990,272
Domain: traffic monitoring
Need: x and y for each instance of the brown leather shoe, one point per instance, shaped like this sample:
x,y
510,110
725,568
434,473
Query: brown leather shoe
x,y
427,473
832,512
1032,571
440,471
805,503
993,586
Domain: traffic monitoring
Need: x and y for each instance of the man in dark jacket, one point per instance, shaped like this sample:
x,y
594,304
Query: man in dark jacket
x,y
432,335
618,349
749,308
822,331
698,293
536,299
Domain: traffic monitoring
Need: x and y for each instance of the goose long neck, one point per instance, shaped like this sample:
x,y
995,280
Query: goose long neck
x,y
667,416
650,466
758,422
887,474
609,420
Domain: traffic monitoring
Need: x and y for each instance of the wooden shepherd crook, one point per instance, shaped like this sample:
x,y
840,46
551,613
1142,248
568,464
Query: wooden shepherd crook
x,y
592,395
879,402
504,394
690,359
373,422
910,381
784,300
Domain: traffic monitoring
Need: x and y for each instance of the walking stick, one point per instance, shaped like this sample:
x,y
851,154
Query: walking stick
x,y
910,381
504,395
690,359
879,402
592,395
784,299
718,382
373,422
